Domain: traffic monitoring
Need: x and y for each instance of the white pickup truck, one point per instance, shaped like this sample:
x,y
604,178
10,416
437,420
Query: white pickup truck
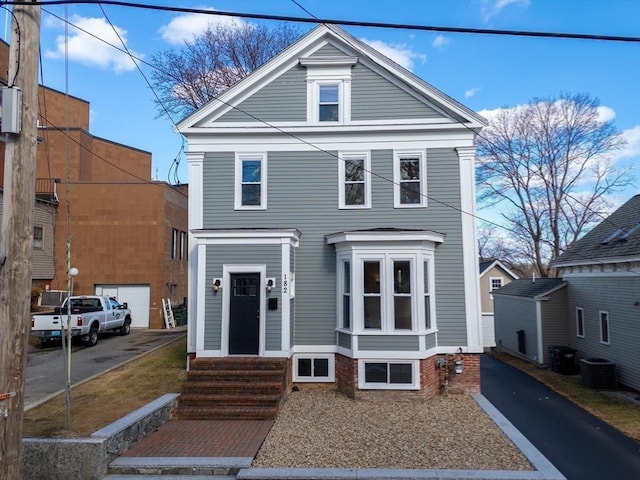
x,y
90,315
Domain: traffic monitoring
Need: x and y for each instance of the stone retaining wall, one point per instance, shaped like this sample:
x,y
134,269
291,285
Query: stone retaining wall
x,y
89,458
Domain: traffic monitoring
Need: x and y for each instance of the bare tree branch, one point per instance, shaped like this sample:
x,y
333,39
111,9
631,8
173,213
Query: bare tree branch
x,y
204,67
549,164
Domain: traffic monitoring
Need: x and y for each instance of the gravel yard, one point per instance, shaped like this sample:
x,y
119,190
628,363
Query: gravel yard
x,y
318,429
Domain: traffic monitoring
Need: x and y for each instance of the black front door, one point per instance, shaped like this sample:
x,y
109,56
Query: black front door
x,y
244,314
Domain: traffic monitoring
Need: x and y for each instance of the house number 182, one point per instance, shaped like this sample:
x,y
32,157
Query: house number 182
x,y
285,283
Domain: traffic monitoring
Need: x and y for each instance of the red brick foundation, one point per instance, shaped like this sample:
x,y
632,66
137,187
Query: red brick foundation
x,y
432,379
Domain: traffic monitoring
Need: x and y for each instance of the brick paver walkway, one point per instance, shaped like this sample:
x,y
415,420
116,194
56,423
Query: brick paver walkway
x,y
203,438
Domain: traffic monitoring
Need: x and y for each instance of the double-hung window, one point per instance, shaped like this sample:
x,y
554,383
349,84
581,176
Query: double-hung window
x,y
251,182
354,176
329,102
409,179
388,294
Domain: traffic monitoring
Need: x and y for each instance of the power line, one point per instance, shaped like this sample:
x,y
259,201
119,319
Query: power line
x,y
351,23
279,129
166,111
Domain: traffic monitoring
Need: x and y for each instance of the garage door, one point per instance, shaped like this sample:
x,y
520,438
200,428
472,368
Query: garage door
x,y
137,297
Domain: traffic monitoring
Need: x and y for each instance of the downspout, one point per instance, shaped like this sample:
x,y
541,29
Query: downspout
x,y
539,330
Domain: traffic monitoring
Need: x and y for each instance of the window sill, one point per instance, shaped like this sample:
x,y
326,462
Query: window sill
x,y
411,206
249,208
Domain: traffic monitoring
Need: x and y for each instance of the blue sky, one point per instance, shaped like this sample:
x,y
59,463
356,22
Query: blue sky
x,y
483,72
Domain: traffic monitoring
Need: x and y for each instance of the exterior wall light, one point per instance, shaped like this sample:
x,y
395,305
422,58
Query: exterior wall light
x,y
271,282
217,284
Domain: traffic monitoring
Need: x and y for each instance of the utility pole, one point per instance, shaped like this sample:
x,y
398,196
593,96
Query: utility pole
x,y
16,233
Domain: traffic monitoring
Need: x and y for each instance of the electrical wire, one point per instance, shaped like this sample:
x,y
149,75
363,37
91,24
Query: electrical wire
x,y
351,23
166,111
279,129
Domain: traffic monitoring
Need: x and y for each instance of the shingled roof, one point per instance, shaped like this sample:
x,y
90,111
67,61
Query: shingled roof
x,y
530,288
616,238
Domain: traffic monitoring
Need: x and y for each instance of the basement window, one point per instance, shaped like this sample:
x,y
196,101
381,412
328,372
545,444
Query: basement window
x,y
313,368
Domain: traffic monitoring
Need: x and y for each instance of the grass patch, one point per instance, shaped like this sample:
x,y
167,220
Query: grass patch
x,y
621,414
99,402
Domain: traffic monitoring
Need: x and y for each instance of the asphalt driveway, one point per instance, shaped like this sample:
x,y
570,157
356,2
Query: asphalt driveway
x,y
46,371
580,445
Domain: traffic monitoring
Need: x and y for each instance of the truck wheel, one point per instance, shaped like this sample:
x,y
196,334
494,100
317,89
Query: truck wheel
x,y
92,338
126,328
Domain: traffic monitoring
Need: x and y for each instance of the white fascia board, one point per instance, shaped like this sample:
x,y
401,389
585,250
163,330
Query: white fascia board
x,y
377,237
598,262
474,119
288,55
288,128
248,236
498,263
369,140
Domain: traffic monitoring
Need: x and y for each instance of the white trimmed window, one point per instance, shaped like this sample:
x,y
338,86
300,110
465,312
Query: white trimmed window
x,y
579,322
604,327
344,301
385,281
314,368
251,181
495,283
388,375
409,179
354,176
328,89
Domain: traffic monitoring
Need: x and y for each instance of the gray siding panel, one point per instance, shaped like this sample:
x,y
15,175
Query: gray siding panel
x,y
282,100
431,341
375,98
219,255
513,314
344,340
617,296
554,326
310,180
404,343
327,51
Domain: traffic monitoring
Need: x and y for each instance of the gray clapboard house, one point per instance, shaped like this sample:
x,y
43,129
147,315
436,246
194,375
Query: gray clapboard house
x,y
602,271
331,202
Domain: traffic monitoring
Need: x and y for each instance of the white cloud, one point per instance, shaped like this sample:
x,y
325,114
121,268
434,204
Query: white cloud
x,y
471,92
632,148
440,41
86,48
490,8
189,25
398,52
605,113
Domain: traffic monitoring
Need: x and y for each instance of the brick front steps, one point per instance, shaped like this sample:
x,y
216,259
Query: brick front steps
x,y
241,388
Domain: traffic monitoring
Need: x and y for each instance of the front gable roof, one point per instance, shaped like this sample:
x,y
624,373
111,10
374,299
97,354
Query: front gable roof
x,y
615,239
339,40
487,264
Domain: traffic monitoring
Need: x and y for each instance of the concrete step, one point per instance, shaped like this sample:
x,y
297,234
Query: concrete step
x,y
241,412
191,468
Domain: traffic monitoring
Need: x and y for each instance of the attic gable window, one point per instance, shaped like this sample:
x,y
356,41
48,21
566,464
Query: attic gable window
x,y
328,89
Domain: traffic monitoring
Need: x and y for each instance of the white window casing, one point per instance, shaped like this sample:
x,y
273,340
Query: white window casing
x,y
250,181
354,179
314,361
410,178
372,372
605,330
326,71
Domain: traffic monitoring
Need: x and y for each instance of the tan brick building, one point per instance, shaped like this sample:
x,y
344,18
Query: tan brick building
x,y
127,233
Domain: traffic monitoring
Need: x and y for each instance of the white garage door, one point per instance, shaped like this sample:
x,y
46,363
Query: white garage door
x,y
137,297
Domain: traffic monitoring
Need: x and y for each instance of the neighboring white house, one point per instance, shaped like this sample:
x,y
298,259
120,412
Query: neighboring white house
x,y
493,275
